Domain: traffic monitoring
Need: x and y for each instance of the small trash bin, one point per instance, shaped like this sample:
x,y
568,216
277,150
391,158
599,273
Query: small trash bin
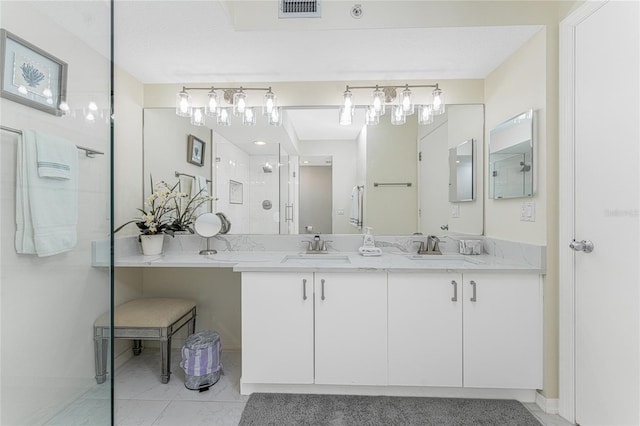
x,y
201,361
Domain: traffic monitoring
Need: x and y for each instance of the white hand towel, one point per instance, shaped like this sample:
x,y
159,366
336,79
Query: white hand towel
x,y
46,209
199,188
55,156
355,216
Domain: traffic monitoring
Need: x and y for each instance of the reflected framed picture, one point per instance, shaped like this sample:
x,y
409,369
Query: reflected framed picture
x,y
31,76
235,192
195,151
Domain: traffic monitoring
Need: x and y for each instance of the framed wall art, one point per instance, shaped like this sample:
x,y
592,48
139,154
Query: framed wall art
x,y
195,151
235,192
31,76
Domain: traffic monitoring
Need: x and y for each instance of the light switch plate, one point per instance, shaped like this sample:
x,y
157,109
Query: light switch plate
x,y
455,211
340,212
528,212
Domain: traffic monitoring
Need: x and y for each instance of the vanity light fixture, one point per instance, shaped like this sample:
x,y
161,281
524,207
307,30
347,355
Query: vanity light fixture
x,y
383,95
236,97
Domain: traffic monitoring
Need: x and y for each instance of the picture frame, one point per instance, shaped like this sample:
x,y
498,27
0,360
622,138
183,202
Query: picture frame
x,y
195,150
31,76
235,192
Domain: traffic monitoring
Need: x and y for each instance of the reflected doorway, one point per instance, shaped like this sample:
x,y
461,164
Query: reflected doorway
x,y
316,195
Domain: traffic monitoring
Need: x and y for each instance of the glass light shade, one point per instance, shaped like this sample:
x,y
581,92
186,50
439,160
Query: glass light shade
x,y
224,118
378,102
406,100
438,102
275,118
347,100
371,116
239,103
197,116
397,115
425,114
211,109
269,103
183,104
346,115
249,117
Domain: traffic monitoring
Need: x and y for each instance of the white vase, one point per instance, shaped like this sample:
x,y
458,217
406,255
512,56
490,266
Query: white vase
x,y
152,244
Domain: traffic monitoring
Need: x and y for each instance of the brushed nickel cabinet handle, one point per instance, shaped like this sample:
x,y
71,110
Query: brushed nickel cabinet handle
x,y
473,296
304,289
322,289
455,291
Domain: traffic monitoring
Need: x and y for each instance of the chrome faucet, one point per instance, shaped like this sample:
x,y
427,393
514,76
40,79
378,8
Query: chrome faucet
x,y
432,245
317,245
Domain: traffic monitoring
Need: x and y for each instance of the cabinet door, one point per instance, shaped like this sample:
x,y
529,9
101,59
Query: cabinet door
x,y
351,328
502,331
277,327
425,329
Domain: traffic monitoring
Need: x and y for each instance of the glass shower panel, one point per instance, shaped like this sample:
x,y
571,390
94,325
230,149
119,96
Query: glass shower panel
x,y
55,209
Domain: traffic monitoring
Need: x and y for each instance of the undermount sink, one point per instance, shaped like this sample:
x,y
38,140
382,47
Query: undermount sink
x,y
451,260
310,259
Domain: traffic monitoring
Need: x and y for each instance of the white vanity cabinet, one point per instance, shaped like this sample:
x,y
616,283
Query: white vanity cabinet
x,y
351,328
425,329
502,330
277,327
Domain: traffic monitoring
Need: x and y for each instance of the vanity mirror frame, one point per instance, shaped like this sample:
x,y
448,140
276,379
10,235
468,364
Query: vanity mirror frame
x,y
511,158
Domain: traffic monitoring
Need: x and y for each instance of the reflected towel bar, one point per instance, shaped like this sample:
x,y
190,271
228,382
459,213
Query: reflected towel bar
x,y
392,184
88,151
178,174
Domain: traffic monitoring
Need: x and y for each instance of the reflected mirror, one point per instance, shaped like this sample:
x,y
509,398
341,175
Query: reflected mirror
x,y
301,177
207,225
461,172
511,158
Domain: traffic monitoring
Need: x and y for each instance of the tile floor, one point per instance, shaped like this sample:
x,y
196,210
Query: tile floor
x,y
142,400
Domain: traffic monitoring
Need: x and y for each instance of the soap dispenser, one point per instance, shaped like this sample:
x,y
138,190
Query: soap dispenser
x,y
368,244
367,240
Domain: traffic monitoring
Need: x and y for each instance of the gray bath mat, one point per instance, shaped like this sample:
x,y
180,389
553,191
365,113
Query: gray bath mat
x,y
350,410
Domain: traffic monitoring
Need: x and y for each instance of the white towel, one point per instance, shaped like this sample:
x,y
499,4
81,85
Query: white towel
x,y
46,209
54,157
355,216
199,189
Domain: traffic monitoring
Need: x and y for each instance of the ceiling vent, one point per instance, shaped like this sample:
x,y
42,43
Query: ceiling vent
x,y
299,9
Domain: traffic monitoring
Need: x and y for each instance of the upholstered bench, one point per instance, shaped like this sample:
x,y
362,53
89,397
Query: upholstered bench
x,y
144,319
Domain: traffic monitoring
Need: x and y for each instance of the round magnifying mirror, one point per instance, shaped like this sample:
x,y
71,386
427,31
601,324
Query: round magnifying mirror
x,y
207,225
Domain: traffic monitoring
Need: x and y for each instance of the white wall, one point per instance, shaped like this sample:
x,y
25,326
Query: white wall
x,y
528,79
391,158
263,187
231,164
49,304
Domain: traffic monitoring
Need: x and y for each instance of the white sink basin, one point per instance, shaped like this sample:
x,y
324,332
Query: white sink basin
x,y
442,260
315,259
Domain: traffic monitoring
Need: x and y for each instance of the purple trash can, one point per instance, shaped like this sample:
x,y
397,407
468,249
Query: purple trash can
x,y
201,361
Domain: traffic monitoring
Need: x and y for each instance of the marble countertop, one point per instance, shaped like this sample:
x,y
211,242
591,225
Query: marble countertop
x,y
282,261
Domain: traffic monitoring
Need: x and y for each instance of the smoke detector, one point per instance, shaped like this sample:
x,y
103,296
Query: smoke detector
x,y
299,9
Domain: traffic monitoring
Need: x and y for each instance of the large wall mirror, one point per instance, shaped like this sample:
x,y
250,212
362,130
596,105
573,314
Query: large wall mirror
x,y
511,158
312,175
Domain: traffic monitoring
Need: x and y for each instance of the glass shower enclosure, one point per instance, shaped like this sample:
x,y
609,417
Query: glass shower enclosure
x,y
55,210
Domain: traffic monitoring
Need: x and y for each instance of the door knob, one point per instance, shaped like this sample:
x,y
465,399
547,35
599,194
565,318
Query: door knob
x,y
584,245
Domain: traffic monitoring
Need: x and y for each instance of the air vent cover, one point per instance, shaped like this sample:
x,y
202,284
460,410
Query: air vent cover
x,y
298,8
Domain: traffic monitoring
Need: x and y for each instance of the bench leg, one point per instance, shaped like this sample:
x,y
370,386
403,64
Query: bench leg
x,y
100,351
191,326
165,360
137,347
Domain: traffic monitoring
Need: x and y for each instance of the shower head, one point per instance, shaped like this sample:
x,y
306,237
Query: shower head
x,y
267,168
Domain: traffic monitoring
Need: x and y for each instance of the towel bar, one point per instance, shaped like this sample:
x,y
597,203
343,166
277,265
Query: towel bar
x,y
90,152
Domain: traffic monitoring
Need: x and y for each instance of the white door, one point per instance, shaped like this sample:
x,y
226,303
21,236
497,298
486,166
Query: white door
x,y
502,329
351,328
277,327
606,183
425,329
